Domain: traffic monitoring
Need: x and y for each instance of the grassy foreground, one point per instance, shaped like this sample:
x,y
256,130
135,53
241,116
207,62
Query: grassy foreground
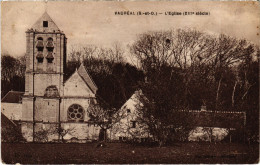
x,y
119,153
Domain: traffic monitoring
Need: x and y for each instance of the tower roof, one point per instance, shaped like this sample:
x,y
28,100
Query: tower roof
x,y
45,24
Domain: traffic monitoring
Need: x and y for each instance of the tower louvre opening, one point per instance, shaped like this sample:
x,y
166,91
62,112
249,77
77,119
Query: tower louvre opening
x,y
45,23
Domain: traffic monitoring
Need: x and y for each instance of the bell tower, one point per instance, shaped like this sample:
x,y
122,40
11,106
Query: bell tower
x,y
45,56
45,65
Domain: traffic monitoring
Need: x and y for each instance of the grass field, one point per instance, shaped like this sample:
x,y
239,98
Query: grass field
x,y
127,153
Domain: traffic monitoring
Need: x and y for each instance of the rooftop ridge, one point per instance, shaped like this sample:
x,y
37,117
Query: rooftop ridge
x,y
211,111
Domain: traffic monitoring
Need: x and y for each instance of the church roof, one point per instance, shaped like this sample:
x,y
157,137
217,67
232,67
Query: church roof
x,y
88,80
45,24
13,97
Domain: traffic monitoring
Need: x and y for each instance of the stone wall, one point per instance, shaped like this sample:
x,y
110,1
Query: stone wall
x,y
27,109
42,81
27,131
81,131
46,74
12,111
47,109
75,86
48,132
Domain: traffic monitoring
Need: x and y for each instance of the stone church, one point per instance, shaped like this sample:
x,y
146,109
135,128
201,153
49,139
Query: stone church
x,y
49,103
52,109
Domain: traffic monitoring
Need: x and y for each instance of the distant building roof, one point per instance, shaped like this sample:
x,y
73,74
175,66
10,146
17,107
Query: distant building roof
x,y
5,121
13,97
85,76
222,119
199,118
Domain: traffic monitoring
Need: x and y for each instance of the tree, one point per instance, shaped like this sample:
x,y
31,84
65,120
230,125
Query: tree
x,y
103,115
41,135
116,79
12,73
185,69
160,106
174,48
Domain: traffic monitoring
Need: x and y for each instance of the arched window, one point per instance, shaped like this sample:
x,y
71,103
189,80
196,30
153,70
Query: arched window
x,y
50,44
39,47
51,91
39,44
39,57
50,57
50,47
76,113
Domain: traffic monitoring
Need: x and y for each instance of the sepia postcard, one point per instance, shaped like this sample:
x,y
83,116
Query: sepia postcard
x,y
128,82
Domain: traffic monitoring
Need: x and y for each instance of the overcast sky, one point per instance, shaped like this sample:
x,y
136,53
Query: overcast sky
x,y
95,22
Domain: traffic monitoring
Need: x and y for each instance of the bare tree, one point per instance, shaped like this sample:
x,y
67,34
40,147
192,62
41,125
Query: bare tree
x,y
103,115
62,132
180,62
194,53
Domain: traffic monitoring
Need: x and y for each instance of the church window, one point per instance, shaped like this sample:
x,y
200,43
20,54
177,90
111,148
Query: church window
x,y
39,44
76,113
39,57
51,91
50,57
45,23
50,48
50,45
40,39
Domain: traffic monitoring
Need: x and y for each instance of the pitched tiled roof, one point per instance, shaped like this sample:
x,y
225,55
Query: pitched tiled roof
x,y
13,97
88,80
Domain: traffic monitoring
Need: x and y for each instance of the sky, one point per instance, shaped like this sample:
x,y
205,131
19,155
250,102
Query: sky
x,y
95,23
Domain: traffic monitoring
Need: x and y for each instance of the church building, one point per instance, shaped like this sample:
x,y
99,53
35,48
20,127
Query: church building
x,y
52,109
50,104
